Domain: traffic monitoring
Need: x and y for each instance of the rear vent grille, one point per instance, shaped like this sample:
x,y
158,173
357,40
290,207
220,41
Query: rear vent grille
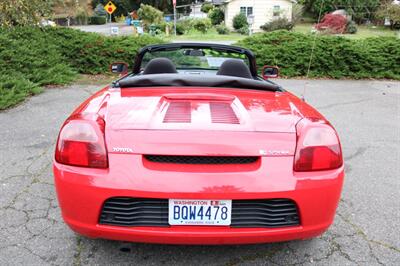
x,y
135,212
177,159
154,212
223,113
264,213
178,112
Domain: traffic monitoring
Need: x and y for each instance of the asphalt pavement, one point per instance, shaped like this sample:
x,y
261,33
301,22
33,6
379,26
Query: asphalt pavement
x,y
366,228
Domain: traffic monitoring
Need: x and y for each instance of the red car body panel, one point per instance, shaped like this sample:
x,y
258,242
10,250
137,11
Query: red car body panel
x,y
135,119
145,108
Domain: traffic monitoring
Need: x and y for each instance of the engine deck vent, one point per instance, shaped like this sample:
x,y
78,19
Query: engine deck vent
x,y
178,112
222,112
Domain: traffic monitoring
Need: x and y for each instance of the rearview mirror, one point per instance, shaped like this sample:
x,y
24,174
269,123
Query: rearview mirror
x,y
270,72
119,68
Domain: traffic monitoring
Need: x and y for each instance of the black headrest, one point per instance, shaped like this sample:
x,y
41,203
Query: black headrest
x,y
235,68
160,66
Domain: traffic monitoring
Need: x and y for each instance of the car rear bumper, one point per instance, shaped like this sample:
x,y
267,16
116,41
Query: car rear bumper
x,y
82,192
196,235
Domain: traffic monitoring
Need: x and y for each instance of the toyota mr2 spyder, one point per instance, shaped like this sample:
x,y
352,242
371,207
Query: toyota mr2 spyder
x,y
191,145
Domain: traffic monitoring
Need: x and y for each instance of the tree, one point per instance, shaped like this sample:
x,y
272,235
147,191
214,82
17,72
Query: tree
x,y
201,24
359,9
67,8
390,11
124,7
206,7
240,21
100,11
216,15
23,12
149,15
78,9
334,24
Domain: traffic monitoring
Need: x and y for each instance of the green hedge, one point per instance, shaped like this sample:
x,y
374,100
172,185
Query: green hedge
x,y
97,20
91,53
14,89
32,57
334,57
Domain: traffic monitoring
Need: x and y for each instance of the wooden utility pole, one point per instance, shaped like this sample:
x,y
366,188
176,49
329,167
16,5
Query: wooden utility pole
x,y
174,4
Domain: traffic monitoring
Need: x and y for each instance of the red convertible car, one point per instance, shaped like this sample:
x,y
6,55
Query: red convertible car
x,y
193,147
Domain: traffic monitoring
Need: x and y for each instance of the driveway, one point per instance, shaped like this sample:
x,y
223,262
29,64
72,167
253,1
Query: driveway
x,y
106,28
365,232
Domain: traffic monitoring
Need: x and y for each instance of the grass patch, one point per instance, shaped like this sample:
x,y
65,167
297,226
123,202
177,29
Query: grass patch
x,y
369,31
362,33
99,79
210,35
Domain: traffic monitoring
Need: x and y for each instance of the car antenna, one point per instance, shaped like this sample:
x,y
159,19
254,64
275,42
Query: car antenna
x,y
303,95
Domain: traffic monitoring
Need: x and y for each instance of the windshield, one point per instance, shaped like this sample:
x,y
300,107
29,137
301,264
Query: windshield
x,y
188,58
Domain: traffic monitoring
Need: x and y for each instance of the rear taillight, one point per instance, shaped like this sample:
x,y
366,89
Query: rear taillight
x,y
318,147
81,142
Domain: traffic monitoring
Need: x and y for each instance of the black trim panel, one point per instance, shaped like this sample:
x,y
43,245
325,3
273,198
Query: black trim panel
x,y
259,213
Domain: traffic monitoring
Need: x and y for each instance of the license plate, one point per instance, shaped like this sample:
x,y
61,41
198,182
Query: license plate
x,y
199,212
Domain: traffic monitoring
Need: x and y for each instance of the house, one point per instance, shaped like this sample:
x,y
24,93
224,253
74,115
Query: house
x,y
263,11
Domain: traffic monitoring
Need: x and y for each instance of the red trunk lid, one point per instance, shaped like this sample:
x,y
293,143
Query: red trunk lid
x,y
201,121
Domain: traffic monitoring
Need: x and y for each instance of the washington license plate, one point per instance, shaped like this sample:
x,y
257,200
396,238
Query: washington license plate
x,y
199,212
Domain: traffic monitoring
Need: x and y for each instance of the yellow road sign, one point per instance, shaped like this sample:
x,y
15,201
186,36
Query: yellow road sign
x,y
110,7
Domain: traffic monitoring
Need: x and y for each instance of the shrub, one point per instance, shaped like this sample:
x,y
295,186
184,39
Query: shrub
x,y
82,18
100,11
244,31
334,57
360,9
216,15
240,21
332,24
278,24
33,55
351,27
97,20
201,24
182,27
206,7
15,88
120,19
163,25
28,60
222,29
149,15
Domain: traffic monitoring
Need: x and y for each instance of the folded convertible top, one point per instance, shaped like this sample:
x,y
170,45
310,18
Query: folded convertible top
x,y
185,80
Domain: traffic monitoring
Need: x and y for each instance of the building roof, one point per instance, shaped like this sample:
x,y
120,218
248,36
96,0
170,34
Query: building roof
x,y
218,2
